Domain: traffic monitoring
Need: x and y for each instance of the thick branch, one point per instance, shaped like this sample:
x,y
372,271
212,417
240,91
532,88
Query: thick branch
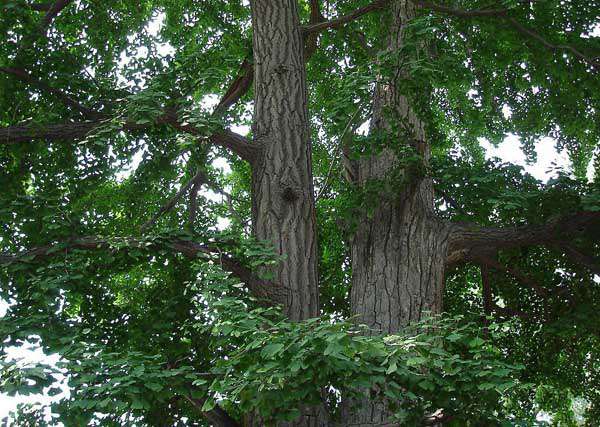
x,y
226,139
67,131
71,131
217,416
462,13
468,241
468,237
235,143
237,89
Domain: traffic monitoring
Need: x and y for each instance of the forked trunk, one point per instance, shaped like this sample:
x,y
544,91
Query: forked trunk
x,y
399,248
398,258
398,266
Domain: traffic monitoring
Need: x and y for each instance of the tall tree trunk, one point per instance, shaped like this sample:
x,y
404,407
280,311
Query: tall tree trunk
x,y
399,249
283,202
283,207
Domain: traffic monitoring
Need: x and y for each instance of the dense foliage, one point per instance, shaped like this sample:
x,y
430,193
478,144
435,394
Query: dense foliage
x,y
111,253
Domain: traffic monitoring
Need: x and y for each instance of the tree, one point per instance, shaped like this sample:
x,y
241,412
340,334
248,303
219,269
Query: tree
x,y
307,308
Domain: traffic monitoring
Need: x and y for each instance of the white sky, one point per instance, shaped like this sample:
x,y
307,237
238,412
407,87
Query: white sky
x,y
547,157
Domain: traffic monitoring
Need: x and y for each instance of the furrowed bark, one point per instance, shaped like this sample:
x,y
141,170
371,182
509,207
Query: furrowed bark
x,y
283,205
398,251
468,240
283,211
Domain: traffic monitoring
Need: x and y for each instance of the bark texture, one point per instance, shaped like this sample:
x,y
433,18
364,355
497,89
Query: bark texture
x,y
283,201
399,250
283,208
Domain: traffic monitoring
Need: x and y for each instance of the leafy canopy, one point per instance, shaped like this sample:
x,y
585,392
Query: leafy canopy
x,y
153,334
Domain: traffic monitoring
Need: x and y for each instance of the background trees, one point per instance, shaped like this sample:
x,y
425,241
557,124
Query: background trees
x,y
124,274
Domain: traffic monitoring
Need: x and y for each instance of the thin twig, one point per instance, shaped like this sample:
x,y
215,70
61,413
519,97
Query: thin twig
x,y
460,13
513,271
337,152
199,178
66,99
338,22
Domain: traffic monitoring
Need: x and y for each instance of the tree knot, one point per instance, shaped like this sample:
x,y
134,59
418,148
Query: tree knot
x,y
289,194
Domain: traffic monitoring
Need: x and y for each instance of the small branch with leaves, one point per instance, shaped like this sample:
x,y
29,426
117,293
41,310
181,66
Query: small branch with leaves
x,y
260,288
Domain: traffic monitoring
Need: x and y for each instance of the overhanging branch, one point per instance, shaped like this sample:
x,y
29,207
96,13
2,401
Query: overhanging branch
x,y
462,13
261,289
73,131
469,236
503,14
552,46
382,4
470,240
491,13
